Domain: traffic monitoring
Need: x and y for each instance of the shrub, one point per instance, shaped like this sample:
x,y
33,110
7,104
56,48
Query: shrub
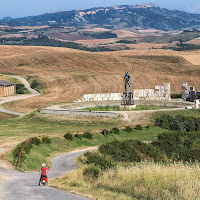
x,y
79,136
68,136
101,161
179,146
27,147
138,127
37,140
176,96
46,139
147,126
128,129
115,131
131,151
105,132
92,172
87,135
179,122
20,89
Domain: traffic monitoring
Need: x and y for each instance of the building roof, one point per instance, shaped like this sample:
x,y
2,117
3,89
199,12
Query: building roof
x,y
5,83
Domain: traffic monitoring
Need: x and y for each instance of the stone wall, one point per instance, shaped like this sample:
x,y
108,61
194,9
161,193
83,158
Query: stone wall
x,y
158,93
79,113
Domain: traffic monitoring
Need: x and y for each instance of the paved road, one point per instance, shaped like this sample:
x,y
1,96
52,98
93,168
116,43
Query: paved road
x,y
17,97
24,186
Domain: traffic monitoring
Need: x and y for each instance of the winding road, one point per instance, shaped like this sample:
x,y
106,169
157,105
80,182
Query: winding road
x,y
17,97
24,186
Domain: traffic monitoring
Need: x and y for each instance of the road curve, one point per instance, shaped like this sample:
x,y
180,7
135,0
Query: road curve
x,y
18,185
17,97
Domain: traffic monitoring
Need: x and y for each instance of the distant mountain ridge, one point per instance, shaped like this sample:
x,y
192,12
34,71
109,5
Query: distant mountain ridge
x,y
147,16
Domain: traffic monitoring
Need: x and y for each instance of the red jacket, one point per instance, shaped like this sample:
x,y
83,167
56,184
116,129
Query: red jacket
x,y
44,170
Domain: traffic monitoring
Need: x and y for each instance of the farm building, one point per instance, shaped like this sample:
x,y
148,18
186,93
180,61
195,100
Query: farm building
x,y
6,88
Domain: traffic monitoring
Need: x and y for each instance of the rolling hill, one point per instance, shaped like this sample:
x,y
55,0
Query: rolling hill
x,y
67,74
146,16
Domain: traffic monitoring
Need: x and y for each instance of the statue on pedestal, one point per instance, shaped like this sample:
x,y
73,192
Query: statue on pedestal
x,y
127,98
127,81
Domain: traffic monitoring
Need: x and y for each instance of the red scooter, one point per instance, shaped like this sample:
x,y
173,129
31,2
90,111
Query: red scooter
x,y
44,180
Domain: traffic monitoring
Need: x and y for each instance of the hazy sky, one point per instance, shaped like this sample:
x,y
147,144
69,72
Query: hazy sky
x,y
19,8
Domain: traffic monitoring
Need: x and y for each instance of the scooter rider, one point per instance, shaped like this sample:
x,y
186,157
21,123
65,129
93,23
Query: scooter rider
x,y
44,169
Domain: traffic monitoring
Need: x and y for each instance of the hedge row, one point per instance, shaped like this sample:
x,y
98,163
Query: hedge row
x,y
179,122
131,151
86,135
179,146
100,161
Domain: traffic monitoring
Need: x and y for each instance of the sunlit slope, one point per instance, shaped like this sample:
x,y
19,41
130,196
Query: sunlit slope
x,y
67,74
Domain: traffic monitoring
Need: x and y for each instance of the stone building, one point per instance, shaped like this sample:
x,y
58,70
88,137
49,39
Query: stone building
x,y
189,93
7,88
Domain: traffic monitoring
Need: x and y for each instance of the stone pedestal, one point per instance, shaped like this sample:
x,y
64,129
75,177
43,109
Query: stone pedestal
x,y
197,104
127,107
127,99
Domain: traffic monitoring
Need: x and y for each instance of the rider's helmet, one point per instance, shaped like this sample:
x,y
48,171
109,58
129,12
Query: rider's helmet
x,y
126,72
43,165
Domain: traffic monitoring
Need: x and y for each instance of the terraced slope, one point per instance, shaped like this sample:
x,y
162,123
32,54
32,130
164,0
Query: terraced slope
x,y
67,74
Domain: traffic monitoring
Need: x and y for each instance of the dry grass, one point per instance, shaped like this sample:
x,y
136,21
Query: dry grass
x,y
143,181
149,45
67,74
6,116
94,42
193,58
124,34
11,35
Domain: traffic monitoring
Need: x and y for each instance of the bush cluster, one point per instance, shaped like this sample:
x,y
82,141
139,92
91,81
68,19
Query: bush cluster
x,y
105,132
176,96
131,151
138,127
20,89
68,136
180,146
102,162
86,135
128,129
179,122
115,131
46,139
92,172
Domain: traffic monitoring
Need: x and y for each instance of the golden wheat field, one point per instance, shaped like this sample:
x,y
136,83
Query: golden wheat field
x,y
67,74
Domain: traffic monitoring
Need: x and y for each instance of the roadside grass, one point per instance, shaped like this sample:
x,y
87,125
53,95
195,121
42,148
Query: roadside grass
x,y
117,108
140,181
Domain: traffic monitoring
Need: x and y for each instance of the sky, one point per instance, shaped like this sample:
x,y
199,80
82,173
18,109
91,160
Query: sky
x,y
20,8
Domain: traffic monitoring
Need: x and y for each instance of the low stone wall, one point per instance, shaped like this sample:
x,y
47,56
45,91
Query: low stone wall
x,y
159,93
78,112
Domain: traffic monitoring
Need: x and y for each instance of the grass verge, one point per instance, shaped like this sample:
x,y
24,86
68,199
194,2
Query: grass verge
x,y
117,108
140,181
